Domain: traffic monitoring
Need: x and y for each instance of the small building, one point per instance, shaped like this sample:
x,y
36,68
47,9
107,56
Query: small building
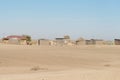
x,y
52,43
15,39
95,42
67,37
43,42
64,41
60,41
109,43
117,41
98,42
90,42
81,41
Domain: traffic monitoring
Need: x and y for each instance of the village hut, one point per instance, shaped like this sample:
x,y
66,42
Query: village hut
x,y
60,41
98,42
89,42
95,42
15,39
81,41
117,41
43,42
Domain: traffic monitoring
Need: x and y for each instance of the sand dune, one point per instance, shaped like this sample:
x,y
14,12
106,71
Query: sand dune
x,y
59,63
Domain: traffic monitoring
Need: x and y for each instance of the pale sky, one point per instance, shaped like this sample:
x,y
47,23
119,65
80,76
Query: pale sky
x,y
56,18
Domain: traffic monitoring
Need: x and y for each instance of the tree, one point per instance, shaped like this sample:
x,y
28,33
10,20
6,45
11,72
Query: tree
x,y
27,37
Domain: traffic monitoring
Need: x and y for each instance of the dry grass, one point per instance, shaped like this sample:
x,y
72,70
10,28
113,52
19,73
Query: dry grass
x,y
37,68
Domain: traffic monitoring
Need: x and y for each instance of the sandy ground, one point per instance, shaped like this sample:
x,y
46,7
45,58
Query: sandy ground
x,y
59,63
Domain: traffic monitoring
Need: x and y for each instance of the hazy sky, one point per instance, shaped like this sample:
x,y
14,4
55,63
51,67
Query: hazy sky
x,y
55,18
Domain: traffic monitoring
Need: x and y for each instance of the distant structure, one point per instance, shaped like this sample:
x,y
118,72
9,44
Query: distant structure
x,y
43,42
64,41
60,41
81,41
90,42
52,43
16,39
117,41
95,42
67,37
98,42
109,43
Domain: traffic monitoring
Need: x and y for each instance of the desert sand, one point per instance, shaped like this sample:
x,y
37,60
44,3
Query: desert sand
x,y
19,62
